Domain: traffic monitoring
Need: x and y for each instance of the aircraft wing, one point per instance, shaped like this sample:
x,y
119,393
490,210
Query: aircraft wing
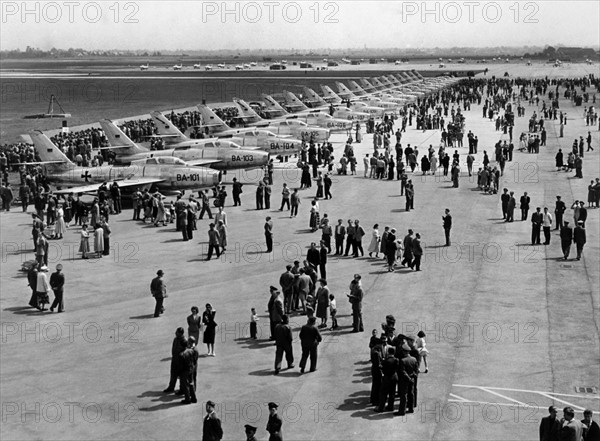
x,y
202,162
122,184
39,163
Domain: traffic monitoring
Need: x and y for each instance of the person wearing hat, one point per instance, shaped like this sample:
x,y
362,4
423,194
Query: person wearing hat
x,y
210,325
283,342
274,424
566,239
211,426
158,288
42,288
250,431
408,371
310,337
559,210
579,237
276,309
57,282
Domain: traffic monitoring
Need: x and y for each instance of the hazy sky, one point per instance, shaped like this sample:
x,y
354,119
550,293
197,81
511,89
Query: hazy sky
x,y
301,25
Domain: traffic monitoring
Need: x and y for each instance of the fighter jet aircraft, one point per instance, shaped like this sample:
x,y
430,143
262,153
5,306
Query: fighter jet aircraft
x,y
354,103
281,127
339,110
145,66
178,67
313,117
165,173
251,138
219,155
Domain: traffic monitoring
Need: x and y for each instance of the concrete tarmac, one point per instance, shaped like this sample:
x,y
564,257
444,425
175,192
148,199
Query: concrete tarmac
x,y
511,328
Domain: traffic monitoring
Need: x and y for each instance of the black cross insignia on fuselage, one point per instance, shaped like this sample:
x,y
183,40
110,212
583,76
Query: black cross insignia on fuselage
x,y
86,176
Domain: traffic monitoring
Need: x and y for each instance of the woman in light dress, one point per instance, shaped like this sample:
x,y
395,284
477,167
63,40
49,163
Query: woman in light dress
x,y
60,228
222,229
420,345
375,239
99,240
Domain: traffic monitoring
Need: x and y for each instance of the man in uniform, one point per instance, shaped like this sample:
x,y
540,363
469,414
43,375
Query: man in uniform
x,y
179,345
274,424
407,372
189,364
283,342
211,426
250,432
505,198
158,288
57,282
310,337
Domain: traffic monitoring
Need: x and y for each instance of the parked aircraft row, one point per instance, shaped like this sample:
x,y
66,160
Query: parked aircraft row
x,y
180,66
197,163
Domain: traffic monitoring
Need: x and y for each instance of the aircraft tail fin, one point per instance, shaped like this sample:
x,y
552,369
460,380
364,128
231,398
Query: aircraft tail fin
x,y
272,104
330,95
293,101
343,91
314,96
247,112
166,127
211,120
355,88
118,140
49,153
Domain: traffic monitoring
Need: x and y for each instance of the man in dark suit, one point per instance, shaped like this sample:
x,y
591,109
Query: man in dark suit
x,y
275,308
340,233
283,342
158,288
505,198
274,424
550,426
179,345
592,433
389,381
350,230
579,237
558,212
566,238
447,218
525,200
536,224
582,213
510,210
313,256
310,337
211,426
417,250
57,282
408,254
408,370
189,364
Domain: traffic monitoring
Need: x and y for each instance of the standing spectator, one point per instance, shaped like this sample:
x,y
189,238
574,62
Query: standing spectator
x,y
285,197
158,288
84,244
407,375
274,424
253,323
570,428
276,310
205,205
333,312
189,364
322,298
194,321
269,233
267,193
57,283
417,251
310,337
250,432
447,219
546,224
389,368
178,346
375,240
407,257
524,206
340,233
356,297
359,233
211,426
592,433
579,237
208,320
559,211
24,195
283,342
105,236
536,224
510,211
327,182
286,281
236,192
42,288
566,238
550,426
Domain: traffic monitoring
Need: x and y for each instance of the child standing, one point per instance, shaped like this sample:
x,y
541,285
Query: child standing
x,y
420,346
253,323
333,312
